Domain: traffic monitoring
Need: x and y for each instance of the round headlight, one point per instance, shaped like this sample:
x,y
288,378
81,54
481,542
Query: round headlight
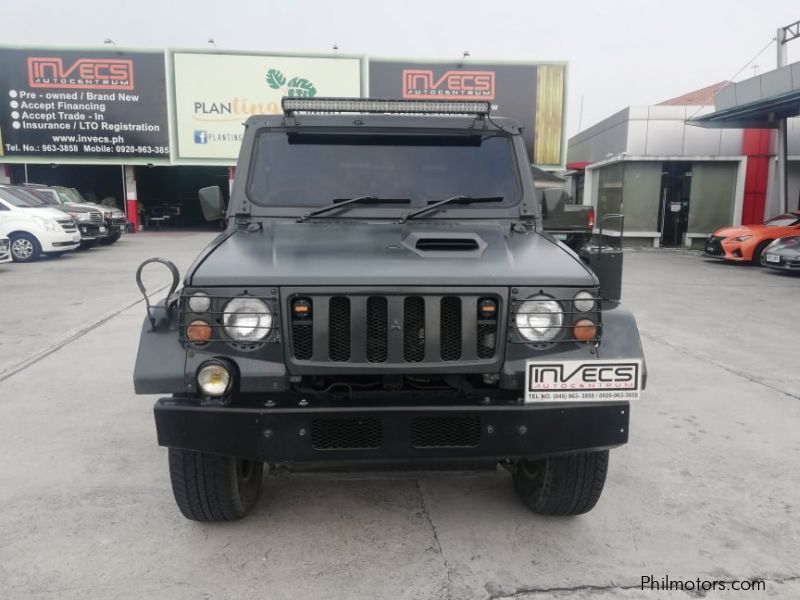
x,y
247,319
214,379
539,319
584,301
199,302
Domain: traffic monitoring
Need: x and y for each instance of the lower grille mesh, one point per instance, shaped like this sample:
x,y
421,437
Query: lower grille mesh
x,y
346,434
446,432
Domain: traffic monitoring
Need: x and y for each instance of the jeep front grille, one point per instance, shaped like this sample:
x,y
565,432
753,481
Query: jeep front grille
x,y
374,329
95,217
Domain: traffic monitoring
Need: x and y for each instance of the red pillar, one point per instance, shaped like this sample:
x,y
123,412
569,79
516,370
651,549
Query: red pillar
x,y
131,198
756,147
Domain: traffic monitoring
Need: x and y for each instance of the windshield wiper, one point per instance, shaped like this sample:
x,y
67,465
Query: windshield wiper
x,y
438,203
341,203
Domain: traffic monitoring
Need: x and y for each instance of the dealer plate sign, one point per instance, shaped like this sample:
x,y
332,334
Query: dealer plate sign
x,y
583,381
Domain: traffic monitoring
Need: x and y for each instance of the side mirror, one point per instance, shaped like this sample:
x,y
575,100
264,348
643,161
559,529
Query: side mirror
x,y
212,203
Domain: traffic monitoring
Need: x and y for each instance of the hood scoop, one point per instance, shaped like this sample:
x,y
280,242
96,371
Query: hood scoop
x,y
445,244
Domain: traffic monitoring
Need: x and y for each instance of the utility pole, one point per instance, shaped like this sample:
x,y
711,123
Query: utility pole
x,y
784,36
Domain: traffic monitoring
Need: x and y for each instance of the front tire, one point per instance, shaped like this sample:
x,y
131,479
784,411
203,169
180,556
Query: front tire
x,y
562,485
208,487
25,248
759,251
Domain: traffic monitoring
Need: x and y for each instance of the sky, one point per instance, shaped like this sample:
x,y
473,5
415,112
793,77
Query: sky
x,y
620,52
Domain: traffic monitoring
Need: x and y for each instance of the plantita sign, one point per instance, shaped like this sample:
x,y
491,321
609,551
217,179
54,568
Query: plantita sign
x,y
216,93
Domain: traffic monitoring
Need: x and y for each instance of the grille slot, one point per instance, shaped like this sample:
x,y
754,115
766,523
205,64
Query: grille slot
x,y
339,329
487,338
446,432
414,329
346,434
451,328
303,336
377,329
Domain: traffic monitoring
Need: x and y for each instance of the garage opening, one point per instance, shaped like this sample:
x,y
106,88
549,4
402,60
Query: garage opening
x,y
96,183
168,195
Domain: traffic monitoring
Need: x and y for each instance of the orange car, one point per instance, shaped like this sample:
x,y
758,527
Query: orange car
x,y
746,242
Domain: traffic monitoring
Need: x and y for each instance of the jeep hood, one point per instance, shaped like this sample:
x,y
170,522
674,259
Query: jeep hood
x,y
380,253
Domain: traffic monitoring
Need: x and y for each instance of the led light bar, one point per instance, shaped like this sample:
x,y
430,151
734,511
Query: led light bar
x,y
369,105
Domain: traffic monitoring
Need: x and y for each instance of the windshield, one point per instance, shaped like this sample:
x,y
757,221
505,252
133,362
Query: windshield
x,y
21,198
46,196
783,221
70,195
310,169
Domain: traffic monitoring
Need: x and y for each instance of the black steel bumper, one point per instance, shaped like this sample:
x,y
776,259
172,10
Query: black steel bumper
x,y
358,434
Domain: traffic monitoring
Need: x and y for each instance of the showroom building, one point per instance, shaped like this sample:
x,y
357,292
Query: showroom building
x,y
145,129
675,181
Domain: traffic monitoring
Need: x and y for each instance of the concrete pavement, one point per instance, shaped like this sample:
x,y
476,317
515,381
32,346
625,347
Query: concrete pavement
x,y
707,486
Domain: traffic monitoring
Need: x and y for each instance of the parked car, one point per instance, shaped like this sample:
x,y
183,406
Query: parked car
x,y
783,254
565,220
35,229
112,223
746,243
90,221
5,249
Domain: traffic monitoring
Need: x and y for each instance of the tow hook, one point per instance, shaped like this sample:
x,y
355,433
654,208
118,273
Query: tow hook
x,y
157,312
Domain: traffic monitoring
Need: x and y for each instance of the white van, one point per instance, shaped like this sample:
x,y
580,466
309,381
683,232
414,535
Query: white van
x,y
5,250
35,230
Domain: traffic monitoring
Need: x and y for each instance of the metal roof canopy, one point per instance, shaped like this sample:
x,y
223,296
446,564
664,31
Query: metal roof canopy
x,y
759,102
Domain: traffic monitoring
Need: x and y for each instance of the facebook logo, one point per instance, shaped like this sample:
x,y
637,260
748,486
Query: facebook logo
x,y
200,136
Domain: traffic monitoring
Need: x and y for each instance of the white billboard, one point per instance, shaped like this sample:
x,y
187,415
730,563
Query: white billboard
x,y
216,93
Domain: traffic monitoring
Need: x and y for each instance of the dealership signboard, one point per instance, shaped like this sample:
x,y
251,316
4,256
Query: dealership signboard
x,y
531,93
215,93
83,104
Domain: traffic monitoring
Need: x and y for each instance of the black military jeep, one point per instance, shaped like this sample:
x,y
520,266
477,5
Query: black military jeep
x,y
383,297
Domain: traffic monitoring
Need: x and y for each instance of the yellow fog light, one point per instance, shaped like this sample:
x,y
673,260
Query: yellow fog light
x,y
214,379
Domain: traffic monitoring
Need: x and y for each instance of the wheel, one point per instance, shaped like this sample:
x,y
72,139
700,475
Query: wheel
x,y
25,247
208,487
562,485
111,239
759,251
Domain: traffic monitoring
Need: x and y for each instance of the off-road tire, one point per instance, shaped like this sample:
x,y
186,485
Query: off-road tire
x,y
31,246
759,251
208,487
562,485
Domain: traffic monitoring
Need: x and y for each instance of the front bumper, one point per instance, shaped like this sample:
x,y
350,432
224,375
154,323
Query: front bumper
x,y
386,433
784,264
91,231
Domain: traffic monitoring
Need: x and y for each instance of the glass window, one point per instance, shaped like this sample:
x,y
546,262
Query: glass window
x,y
641,191
20,198
609,190
308,169
712,196
783,221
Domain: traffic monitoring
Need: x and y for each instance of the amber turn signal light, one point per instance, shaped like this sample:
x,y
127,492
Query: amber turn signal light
x,y
487,308
198,332
301,308
584,330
